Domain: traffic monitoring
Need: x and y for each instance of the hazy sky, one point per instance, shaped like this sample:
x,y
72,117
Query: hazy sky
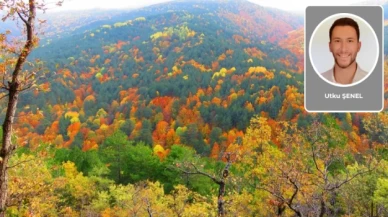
x,y
300,5
290,5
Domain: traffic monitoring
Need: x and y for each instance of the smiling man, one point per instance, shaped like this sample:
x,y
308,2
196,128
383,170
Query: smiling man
x,y
344,45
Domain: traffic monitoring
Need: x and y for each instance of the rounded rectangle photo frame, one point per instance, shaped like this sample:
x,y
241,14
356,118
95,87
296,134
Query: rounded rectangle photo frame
x,y
344,66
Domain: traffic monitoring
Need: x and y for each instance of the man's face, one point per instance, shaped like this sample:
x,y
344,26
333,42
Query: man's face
x,y
344,45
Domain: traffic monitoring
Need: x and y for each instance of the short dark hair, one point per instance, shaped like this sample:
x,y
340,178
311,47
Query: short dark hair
x,y
345,21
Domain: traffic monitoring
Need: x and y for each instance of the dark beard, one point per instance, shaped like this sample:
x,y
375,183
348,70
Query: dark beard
x,y
344,67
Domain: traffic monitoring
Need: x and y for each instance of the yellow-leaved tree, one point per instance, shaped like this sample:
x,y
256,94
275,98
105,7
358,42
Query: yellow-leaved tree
x,y
31,187
15,79
302,170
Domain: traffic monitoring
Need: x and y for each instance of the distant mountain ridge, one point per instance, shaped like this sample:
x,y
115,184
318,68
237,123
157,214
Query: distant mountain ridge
x,y
254,15
250,20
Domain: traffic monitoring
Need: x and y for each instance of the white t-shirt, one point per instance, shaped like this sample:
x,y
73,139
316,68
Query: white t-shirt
x,y
360,74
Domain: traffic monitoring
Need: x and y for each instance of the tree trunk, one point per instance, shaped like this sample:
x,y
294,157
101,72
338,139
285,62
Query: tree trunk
x,y
7,146
13,92
323,208
222,184
221,202
280,210
333,210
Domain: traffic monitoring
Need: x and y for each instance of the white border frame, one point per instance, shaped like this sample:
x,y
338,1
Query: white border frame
x,y
382,61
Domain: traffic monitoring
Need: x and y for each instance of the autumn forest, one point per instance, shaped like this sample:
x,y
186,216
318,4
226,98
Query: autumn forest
x,y
186,108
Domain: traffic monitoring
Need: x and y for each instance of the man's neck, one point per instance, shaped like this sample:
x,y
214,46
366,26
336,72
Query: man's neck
x,y
345,75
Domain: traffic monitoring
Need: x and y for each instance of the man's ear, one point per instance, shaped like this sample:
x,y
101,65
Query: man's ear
x,y
330,47
359,46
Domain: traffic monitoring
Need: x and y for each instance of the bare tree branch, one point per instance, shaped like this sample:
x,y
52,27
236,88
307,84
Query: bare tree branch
x,y
315,160
199,172
2,97
22,18
19,163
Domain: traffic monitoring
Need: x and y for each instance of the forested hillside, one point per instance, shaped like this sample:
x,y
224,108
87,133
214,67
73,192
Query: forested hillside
x,y
184,74
187,108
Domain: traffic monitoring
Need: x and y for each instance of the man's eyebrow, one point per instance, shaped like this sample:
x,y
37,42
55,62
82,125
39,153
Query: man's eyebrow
x,y
337,37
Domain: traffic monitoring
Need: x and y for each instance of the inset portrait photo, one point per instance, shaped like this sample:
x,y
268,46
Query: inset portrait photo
x,y
344,49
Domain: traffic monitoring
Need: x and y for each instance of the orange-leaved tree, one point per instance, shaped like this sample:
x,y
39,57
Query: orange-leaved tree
x,y
14,77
